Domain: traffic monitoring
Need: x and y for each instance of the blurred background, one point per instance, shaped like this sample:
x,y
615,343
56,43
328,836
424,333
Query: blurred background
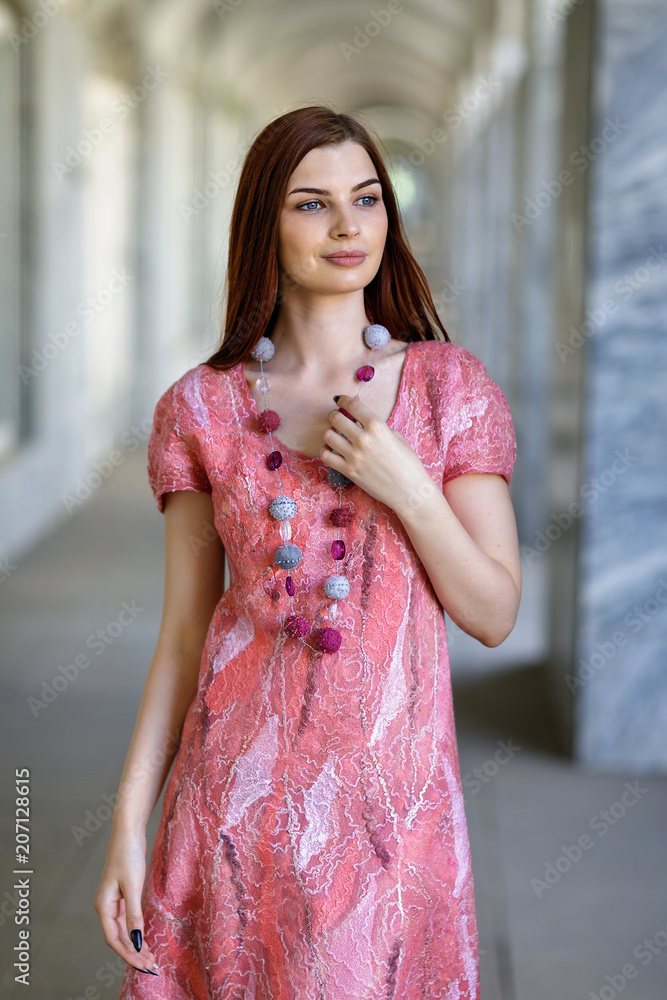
x,y
527,142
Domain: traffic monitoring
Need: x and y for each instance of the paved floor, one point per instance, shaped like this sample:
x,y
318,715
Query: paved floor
x,y
558,921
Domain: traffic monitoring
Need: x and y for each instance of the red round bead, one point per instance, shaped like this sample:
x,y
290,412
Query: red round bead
x,y
268,420
296,626
328,640
365,373
338,549
341,516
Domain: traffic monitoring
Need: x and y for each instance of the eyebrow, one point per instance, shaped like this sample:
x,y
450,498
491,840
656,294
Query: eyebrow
x,y
362,184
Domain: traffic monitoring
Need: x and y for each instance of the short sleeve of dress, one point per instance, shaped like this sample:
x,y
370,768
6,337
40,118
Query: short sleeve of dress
x,y
483,438
174,455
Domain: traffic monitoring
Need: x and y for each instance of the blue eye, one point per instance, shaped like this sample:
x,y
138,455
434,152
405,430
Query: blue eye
x,y
372,199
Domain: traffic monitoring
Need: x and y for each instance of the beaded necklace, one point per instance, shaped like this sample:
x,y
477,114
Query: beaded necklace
x,y
288,555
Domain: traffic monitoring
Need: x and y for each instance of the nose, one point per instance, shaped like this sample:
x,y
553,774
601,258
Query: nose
x,y
345,223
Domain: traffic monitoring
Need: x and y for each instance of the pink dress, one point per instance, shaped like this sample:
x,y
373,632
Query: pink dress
x,y
313,842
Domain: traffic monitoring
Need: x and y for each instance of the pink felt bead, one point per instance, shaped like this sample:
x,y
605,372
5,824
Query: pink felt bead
x,y
365,373
274,460
296,626
328,640
341,516
338,549
268,420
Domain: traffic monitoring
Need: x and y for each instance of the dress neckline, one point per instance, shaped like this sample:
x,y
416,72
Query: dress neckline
x,y
250,399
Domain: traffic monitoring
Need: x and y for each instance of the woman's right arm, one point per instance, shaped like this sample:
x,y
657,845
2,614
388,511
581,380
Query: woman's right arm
x,y
194,583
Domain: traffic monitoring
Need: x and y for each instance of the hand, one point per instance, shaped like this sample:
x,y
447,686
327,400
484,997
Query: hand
x,y
375,456
118,899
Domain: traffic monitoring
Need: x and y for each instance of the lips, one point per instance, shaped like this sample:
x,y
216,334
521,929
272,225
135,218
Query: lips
x,y
346,255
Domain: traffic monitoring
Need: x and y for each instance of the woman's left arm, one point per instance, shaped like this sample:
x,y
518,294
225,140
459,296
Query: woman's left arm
x,y
467,541
465,534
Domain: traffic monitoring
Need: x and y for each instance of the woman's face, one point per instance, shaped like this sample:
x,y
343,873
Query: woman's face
x,y
343,210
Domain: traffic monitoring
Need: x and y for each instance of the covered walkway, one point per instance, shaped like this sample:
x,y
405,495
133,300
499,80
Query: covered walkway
x,y
556,920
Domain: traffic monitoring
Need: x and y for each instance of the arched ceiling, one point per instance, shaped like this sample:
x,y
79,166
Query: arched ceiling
x,y
262,56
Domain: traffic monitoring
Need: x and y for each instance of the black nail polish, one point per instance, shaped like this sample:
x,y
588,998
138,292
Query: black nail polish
x,y
336,398
135,936
151,971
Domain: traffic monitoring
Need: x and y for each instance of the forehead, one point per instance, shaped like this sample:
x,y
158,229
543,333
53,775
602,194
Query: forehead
x,y
346,160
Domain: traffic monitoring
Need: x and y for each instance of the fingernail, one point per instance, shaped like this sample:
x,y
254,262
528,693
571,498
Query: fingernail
x,y
151,971
336,398
135,935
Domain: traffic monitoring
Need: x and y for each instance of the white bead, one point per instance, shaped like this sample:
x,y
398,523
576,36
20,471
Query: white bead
x,y
285,530
333,611
376,336
263,384
263,350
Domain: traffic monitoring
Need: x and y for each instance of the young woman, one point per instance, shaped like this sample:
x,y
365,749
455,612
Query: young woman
x,y
313,842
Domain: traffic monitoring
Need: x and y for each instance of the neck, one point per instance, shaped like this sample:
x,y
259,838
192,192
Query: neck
x,y
313,332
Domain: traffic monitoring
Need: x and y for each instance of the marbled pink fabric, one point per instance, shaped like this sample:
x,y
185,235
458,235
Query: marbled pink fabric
x,y
313,841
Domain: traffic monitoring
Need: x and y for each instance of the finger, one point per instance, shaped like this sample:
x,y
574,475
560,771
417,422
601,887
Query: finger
x,y
112,926
356,408
133,925
336,442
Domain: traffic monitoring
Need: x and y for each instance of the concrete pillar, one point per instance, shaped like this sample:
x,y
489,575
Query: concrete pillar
x,y
620,666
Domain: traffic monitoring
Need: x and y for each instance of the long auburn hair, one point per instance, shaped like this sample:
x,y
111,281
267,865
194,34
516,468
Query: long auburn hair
x,y
398,296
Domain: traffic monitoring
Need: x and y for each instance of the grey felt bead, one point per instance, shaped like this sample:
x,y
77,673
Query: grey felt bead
x,y
337,478
288,555
282,508
263,350
337,587
376,336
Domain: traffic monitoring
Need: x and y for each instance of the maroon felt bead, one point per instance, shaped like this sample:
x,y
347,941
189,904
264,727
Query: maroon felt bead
x,y
341,516
338,549
296,626
274,460
365,373
268,420
289,585
327,640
